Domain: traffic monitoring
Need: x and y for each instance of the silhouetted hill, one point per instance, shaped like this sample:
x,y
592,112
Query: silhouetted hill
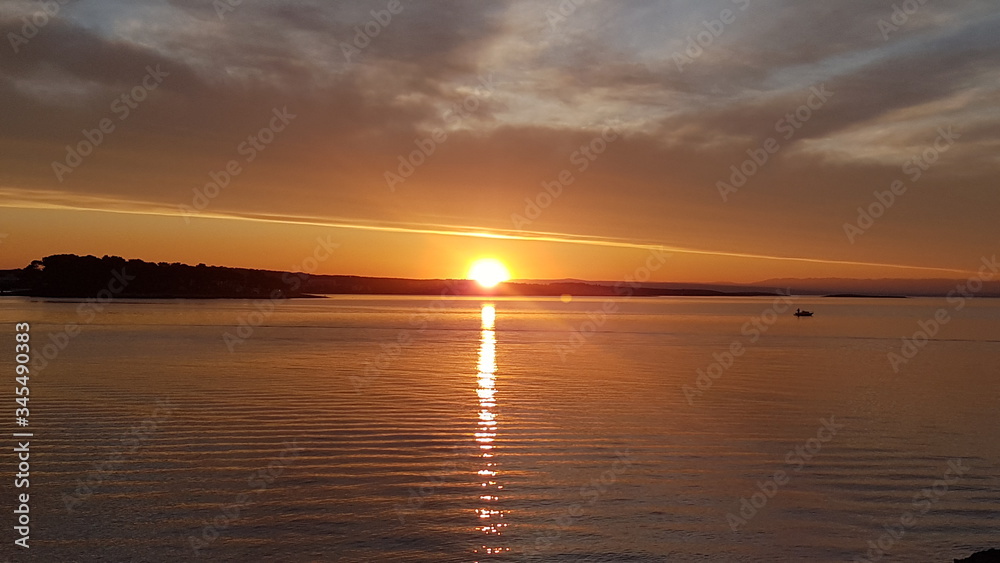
x,y
824,287
396,286
69,275
880,287
72,276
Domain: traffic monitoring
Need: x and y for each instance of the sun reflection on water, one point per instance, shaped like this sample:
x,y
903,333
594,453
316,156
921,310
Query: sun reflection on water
x,y
490,516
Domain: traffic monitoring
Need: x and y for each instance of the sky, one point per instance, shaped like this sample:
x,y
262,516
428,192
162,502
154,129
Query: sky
x,y
747,139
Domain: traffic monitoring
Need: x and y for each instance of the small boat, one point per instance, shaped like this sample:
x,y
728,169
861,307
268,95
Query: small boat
x,y
801,313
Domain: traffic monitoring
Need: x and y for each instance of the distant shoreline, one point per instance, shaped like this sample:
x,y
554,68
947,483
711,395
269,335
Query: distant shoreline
x,y
83,277
859,296
83,298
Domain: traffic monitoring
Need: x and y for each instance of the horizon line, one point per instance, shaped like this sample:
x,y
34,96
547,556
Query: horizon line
x,y
152,209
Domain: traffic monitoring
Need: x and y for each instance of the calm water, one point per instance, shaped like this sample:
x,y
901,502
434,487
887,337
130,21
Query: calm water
x,y
415,429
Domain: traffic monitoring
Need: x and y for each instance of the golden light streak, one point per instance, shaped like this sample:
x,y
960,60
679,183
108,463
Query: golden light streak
x,y
29,199
490,515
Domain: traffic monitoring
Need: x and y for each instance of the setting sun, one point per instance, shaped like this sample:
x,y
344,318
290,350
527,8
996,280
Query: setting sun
x,y
488,272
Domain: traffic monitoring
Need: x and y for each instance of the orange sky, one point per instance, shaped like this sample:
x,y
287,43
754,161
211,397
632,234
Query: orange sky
x,y
458,119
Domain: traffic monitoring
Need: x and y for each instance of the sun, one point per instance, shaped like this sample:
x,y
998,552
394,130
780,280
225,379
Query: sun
x,y
488,272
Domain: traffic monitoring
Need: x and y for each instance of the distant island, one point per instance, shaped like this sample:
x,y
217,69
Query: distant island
x,y
859,296
73,276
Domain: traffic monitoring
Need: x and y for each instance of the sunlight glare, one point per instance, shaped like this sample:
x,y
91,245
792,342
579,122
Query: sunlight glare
x,y
488,272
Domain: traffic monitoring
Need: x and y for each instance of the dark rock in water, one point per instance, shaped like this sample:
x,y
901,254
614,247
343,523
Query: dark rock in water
x,y
991,556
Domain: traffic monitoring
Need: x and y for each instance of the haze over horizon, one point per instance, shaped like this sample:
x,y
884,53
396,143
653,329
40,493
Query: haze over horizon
x,y
427,131
983,284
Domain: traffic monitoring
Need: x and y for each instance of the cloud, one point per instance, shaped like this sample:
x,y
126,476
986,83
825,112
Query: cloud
x,y
557,83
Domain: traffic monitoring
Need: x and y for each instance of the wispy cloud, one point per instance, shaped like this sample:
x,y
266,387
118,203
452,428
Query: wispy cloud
x,y
607,63
23,199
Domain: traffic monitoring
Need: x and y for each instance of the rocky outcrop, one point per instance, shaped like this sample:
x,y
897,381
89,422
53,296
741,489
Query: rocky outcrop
x,y
990,556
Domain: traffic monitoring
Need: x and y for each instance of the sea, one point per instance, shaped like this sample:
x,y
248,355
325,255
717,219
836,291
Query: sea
x,y
444,429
